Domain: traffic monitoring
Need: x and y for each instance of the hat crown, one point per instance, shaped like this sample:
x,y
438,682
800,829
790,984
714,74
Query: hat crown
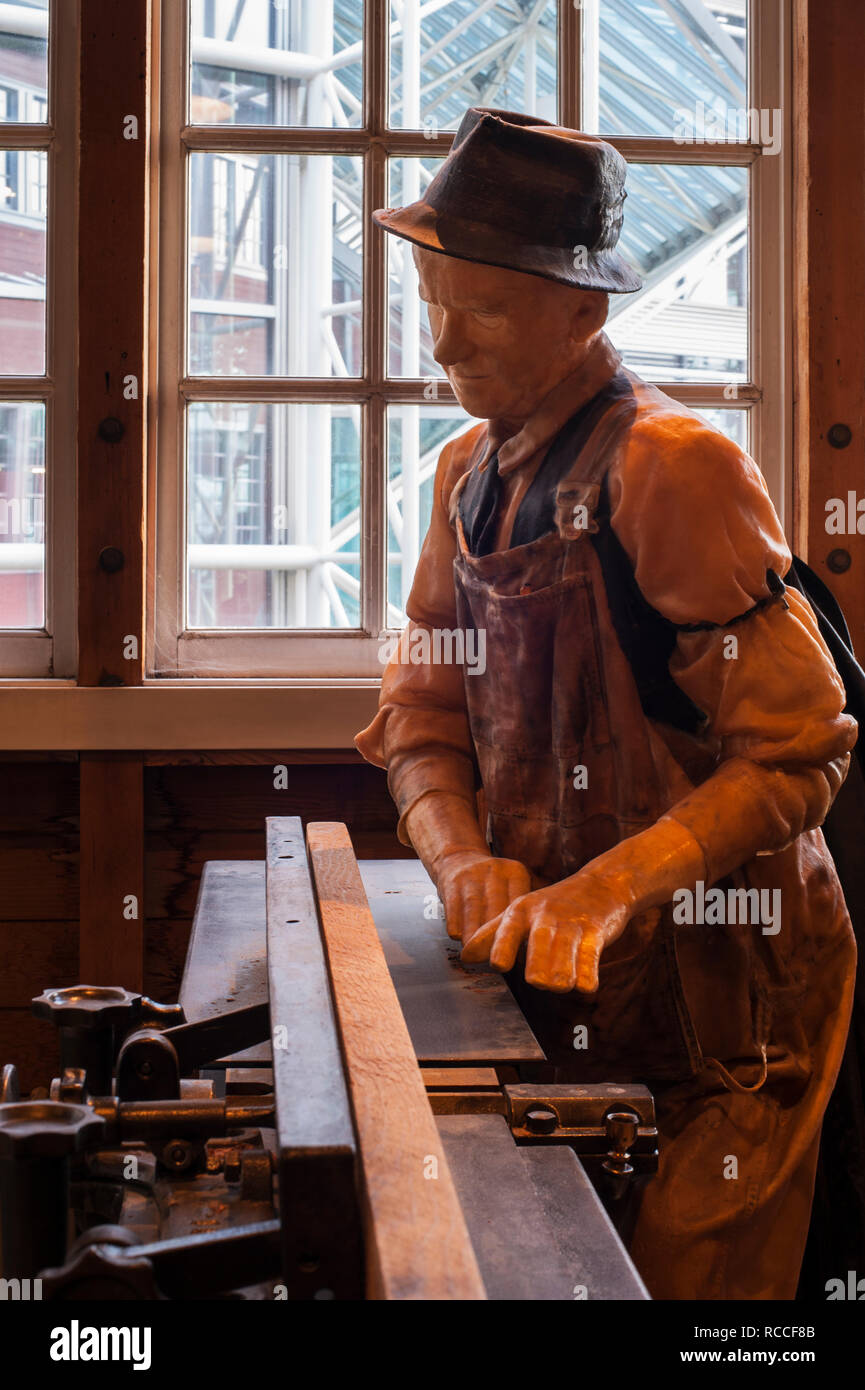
x,y
518,191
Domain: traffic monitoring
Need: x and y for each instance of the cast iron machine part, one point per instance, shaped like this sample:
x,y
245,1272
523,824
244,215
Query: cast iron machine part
x,y
153,1106
91,1021
37,1141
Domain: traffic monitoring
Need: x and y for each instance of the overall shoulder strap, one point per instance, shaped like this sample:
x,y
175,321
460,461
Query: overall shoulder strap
x,y
646,637
579,450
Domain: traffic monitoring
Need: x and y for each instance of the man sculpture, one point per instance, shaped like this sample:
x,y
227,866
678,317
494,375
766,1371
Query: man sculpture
x,y
622,808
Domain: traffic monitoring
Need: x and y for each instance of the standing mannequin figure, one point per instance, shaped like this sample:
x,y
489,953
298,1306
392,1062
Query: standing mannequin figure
x,y
656,717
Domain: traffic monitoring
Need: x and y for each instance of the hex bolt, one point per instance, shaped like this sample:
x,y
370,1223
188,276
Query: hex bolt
x,y
37,1140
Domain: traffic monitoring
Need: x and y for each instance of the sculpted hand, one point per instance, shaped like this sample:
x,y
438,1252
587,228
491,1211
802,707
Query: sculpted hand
x,y
475,887
567,925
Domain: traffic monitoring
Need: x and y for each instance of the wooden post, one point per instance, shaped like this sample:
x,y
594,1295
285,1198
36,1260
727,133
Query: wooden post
x,y
112,396
111,893
417,1244
829,290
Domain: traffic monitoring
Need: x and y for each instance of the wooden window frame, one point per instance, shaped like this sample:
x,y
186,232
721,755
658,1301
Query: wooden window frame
x,y
303,654
51,651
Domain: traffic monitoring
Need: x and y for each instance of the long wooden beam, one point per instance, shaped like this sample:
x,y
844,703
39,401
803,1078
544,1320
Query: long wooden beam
x,y
112,398
416,1240
111,891
829,289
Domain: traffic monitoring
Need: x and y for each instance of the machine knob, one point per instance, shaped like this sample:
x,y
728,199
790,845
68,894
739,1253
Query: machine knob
x,y
33,1129
622,1127
88,1006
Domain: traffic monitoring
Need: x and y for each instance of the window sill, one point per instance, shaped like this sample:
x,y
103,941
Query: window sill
x,y
185,714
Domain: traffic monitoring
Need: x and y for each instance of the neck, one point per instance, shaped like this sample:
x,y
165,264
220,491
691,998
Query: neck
x,y
581,362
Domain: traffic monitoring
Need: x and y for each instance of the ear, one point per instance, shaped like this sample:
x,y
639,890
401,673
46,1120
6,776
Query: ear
x,y
590,313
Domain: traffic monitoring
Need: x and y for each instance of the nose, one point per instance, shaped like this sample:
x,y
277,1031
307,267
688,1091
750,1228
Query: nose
x,y
451,342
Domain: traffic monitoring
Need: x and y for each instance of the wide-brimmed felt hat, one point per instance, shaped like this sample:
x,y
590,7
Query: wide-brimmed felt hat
x,y
519,192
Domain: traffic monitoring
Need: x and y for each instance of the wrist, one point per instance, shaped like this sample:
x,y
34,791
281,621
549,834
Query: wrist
x,y
645,870
444,827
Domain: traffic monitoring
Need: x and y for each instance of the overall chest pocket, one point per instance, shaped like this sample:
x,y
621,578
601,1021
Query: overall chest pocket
x,y
543,693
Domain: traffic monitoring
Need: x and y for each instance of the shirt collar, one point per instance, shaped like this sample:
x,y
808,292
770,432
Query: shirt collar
x,y
565,399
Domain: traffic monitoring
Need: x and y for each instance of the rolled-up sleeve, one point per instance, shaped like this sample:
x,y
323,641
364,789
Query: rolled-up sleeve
x,y
421,731
693,513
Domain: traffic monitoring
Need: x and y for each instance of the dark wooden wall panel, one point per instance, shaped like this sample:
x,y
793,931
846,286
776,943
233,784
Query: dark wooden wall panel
x,y
197,811
192,812
38,904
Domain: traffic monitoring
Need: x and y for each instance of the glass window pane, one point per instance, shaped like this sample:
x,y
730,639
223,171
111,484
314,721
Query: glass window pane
x,y
275,264
447,57
22,514
276,62
733,423
23,211
686,232
409,339
24,61
416,435
655,67
273,515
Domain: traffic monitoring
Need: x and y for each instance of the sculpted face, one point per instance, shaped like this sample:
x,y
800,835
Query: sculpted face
x,y
504,339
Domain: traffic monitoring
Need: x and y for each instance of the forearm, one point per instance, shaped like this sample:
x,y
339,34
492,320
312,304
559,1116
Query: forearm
x,y
743,810
441,825
645,870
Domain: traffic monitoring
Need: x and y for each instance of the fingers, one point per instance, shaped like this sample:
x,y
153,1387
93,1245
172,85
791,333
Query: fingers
x,y
469,905
589,953
512,931
551,959
477,896
477,943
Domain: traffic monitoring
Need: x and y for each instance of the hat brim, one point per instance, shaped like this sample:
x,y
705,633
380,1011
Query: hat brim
x,y
577,267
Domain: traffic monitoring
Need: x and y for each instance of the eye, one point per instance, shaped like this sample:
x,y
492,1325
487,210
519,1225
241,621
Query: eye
x,y
488,315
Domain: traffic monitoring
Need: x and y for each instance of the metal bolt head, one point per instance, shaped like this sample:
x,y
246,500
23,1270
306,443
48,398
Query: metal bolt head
x,y
839,436
111,559
111,429
839,561
178,1155
541,1120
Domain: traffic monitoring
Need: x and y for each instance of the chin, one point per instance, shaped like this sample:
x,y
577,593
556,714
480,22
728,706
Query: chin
x,y
485,405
